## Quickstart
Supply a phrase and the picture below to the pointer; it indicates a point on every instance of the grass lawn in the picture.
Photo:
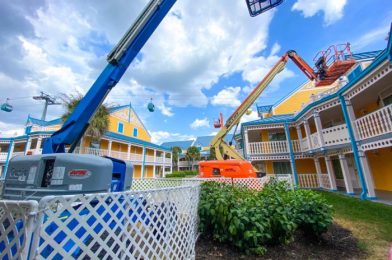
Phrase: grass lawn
(370, 222)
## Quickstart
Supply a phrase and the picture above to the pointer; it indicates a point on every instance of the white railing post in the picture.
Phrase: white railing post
(331, 173)
(319, 129)
(346, 174)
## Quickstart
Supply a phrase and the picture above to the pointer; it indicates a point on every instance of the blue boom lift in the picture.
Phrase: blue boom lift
(56, 172)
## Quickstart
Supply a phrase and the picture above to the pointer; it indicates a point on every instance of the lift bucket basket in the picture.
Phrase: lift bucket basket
(257, 7)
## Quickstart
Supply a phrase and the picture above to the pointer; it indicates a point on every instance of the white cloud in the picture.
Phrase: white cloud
(246, 118)
(333, 9)
(159, 137)
(11, 130)
(200, 123)
(370, 37)
(227, 97)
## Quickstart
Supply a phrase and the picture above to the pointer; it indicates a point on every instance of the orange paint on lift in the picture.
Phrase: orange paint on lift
(228, 168)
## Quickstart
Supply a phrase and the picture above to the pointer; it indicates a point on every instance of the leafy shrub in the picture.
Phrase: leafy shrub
(250, 219)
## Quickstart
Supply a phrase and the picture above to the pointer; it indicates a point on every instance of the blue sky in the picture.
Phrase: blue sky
(203, 59)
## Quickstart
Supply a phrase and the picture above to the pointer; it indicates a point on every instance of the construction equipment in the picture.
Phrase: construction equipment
(257, 7)
(56, 172)
(219, 167)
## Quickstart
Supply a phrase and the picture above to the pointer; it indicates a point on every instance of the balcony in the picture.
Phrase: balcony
(375, 124)
(273, 147)
(332, 136)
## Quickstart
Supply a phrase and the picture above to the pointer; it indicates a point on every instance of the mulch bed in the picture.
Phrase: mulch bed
(337, 243)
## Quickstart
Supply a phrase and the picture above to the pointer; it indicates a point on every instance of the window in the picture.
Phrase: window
(387, 101)
(337, 169)
(277, 136)
(282, 167)
(135, 132)
(120, 127)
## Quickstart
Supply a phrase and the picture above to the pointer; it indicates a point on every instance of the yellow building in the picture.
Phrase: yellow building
(127, 139)
(337, 137)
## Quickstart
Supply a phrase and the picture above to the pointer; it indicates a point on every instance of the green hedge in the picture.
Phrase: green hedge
(249, 219)
(182, 174)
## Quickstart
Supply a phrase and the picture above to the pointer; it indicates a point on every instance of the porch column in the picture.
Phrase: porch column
(367, 174)
(28, 145)
(9, 156)
(319, 128)
(38, 147)
(299, 133)
(331, 173)
(307, 131)
(155, 163)
(291, 154)
(351, 115)
(318, 171)
(246, 143)
(81, 146)
(346, 174)
(110, 148)
(129, 152)
(171, 162)
(144, 161)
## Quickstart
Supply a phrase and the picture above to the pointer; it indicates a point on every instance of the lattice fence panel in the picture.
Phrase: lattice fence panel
(16, 228)
(153, 224)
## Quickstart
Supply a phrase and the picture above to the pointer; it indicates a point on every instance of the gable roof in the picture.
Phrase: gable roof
(135, 140)
(35, 121)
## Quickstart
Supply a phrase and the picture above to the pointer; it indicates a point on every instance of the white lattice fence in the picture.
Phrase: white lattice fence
(16, 228)
(154, 224)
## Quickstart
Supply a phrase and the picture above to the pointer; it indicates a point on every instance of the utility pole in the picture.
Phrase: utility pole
(49, 100)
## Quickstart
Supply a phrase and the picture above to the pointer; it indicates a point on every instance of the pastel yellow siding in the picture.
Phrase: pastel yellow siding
(137, 171)
(148, 171)
(294, 102)
(381, 164)
(269, 167)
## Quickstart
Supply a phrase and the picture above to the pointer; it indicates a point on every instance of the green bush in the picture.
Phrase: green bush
(181, 174)
(250, 219)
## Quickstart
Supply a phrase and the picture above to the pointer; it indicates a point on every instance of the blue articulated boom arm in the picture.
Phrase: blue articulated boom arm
(119, 59)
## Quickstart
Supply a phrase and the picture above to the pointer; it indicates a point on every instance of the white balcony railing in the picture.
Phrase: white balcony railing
(336, 135)
(308, 180)
(3, 156)
(274, 147)
(305, 144)
(296, 146)
(374, 124)
(325, 181)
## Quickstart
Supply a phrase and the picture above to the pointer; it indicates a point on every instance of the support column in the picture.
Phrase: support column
(28, 145)
(144, 161)
(171, 162)
(319, 128)
(346, 175)
(110, 148)
(246, 143)
(291, 153)
(38, 147)
(81, 146)
(164, 164)
(367, 174)
(308, 134)
(9, 156)
(129, 152)
(319, 172)
(155, 164)
(299, 133)
(331, 173)
(349, 116)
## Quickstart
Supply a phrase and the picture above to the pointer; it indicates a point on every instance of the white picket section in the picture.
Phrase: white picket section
(273, 147)
(325, 181)
(16, 228)
(308, 181)
(157, 219)
(375, 124)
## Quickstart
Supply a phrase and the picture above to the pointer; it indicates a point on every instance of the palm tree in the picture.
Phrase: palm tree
(192, 154)
(175, 153)
(99, 124)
